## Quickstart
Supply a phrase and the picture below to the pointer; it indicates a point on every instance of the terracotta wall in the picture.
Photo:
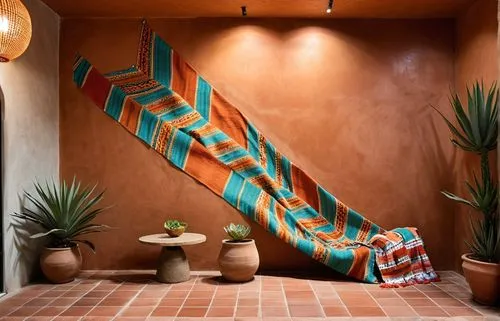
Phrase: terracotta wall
(476, 59)
(348, 100)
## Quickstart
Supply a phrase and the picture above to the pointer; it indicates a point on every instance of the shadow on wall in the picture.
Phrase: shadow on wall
(28, 250)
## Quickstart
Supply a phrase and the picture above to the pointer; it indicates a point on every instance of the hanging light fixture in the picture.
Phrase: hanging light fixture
(330, 6)
(15, 29)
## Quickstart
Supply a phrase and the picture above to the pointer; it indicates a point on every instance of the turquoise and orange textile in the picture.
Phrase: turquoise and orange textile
(166, 104)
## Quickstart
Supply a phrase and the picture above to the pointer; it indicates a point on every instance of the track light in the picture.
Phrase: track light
(244, 11)
(330, 6)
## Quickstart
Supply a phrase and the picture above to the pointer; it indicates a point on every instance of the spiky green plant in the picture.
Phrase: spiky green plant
(237, 232)
(174, 224)
(476, 131)
(64, 212)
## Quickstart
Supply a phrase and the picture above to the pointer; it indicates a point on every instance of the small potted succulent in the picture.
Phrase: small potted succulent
(65, 213)
(238, 257)
(175, 228)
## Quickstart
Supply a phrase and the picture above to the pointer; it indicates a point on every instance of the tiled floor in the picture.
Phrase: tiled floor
(135, 295)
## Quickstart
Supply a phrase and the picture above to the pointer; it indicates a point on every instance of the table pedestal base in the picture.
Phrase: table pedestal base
(173, 266)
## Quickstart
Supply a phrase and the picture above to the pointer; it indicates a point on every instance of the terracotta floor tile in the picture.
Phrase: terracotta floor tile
(106, 311)
(274, 312)
(387, 293)
(359, 302)
(430, 311)
(331, 302)
(439, 294)
(114, 302)
(448, 302)
(38, 318)
(336, 312)
(391, 302)
(399, 311)
(52, 294)
(248, 302)
(192, 312)
(299, 294)
(24, 311)
(247, 311)
(144, 302)
(171, 302)
(76, 311)
(63, 302)
(248, 294)
(461, 311)
(420, 302)
(87, 302)
(50, 311)
(96, 294)
(224, 302)
(73, 294)
(200, 294)
(97, 318)
(39, 302)
(197, 302)
(122, 294)
(155, 294)
(220, 312)
(176, 294)
(142, 311)
(366, 311)
(273, 302)
(313, 311)
(165, 312)
(411, 294)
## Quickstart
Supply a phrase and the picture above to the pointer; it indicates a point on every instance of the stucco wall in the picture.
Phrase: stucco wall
(30, 127)
(347, 100)
(476, 59)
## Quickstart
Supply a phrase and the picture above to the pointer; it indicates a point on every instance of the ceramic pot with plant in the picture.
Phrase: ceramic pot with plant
(65, 213)
(175, 228)
(238, 257)
(476, 131)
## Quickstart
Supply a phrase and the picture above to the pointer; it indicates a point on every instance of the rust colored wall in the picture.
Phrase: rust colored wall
(476, 59)
(346, 100)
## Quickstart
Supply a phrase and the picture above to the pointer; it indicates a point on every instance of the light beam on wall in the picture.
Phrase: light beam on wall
(15, 29)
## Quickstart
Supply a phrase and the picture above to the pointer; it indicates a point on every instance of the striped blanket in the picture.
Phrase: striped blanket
(164, 102)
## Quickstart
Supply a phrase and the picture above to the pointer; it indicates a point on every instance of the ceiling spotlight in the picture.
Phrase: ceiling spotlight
(330, 6)
(244, 11)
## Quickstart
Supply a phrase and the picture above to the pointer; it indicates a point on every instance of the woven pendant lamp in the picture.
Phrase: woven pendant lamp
(15, 29)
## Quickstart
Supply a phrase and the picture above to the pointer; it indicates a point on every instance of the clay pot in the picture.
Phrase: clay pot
(238, 261)
(61, 265)
(175, 232)
(483, 279)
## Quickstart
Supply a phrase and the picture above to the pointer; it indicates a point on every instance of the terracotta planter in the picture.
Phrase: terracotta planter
(61, 265)
(483, 279)
(238, 261)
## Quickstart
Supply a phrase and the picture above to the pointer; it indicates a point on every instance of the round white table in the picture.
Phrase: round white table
(173, 266)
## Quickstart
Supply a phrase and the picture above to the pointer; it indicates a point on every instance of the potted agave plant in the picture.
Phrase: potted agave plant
(476, 132)
(64, 213)
(238, 257)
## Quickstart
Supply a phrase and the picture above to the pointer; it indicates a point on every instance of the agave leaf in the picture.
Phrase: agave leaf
(41, 234)
(458, 199)
(88, 243)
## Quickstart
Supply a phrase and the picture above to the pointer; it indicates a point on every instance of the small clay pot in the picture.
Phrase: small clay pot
(61, 265)
(238, 261)
(483, 279)
(175, 232)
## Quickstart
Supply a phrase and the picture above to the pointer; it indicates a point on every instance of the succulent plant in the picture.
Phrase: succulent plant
(64, 212)
(476, 131)
(174, 224)
(237, 232)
